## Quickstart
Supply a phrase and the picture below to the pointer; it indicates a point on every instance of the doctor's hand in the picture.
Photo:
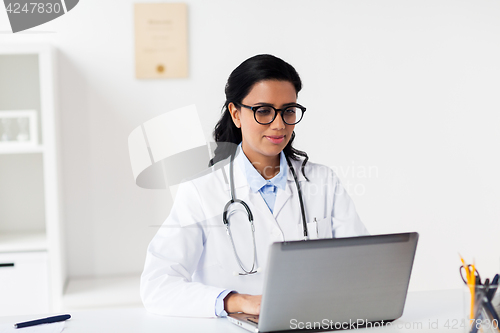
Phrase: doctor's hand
(245, 303)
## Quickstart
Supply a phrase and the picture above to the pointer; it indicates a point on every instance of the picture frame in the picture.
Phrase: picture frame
(18, 129)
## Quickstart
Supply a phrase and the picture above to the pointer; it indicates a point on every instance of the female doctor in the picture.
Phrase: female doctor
(209, 256)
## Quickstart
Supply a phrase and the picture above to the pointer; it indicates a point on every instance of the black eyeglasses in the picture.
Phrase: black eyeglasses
(265, 114)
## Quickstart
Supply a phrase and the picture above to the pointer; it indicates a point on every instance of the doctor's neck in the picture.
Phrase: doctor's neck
(267, 166)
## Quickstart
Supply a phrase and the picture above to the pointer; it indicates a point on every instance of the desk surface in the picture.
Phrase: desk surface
(427, 311)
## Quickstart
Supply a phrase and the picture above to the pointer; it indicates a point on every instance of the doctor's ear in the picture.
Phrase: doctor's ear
(235, 114)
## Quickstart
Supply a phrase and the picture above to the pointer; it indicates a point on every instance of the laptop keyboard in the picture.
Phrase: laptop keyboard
(254, 320)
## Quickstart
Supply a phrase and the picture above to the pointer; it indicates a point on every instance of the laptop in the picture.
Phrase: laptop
(330, 284)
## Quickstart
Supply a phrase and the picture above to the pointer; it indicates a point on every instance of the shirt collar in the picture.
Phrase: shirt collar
(255, 179)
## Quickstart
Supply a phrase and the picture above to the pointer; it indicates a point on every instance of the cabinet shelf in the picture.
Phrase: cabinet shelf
(23, 241)
(20, 150)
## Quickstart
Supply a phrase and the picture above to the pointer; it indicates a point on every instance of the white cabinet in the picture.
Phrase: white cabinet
(32, 273)
(24, 277)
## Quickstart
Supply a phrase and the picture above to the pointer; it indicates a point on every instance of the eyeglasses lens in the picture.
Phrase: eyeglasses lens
(265, 115)
(292, 115)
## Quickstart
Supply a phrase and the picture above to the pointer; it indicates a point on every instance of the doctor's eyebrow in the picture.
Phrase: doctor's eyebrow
(270, 104)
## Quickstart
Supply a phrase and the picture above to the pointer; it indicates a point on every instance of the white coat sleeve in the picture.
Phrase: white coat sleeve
(173, 256)
(346, 222)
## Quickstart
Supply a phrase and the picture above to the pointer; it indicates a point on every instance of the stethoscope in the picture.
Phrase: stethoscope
(250, 216)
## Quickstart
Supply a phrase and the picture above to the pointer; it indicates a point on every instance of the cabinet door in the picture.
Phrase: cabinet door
(23, 283)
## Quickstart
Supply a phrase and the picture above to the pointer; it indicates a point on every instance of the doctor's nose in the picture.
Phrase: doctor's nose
(278, 122)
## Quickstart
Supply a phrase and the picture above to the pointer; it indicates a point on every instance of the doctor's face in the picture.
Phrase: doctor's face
(260, 142)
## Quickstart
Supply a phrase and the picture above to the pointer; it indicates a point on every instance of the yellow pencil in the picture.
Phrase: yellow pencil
(472, 288)
(471, 284)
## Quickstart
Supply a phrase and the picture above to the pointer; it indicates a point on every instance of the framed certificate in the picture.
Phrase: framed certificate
(161, 40)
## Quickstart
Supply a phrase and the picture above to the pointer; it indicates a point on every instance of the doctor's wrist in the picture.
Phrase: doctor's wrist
(231, 302)
(245, 303)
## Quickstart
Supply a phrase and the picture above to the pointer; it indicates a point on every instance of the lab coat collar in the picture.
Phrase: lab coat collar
(240, 183)
(243, 190)
(240, 177)
(297, 166)
(255, 179)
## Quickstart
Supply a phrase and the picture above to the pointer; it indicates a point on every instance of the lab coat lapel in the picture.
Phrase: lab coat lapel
(244, 192)
(282, 197)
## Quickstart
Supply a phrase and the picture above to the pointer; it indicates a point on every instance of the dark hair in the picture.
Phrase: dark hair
(255, 69)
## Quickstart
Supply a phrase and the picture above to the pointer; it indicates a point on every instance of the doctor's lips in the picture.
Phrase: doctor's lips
(275, 138)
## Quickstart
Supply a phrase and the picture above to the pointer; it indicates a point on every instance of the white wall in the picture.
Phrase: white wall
(405, 91)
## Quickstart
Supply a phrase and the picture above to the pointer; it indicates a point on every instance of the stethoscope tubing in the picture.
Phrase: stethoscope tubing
(250, 216)
(304, 223)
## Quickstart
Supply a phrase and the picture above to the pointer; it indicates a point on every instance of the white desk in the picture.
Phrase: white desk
(421, 309)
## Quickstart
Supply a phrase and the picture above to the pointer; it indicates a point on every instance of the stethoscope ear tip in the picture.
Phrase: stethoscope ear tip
(235, 273)
(260, 270)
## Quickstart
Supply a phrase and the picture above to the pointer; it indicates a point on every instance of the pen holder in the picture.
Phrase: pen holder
(481, 305)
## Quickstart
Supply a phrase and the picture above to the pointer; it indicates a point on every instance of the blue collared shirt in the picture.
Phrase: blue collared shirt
(268, 190)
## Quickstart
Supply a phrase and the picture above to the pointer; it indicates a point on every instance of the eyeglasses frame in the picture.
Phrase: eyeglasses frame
(254, 109)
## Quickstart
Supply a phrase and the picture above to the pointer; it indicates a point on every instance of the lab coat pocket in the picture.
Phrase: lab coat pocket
(320, 228)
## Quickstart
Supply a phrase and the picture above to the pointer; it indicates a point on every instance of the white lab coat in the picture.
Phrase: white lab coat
(190, 261)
